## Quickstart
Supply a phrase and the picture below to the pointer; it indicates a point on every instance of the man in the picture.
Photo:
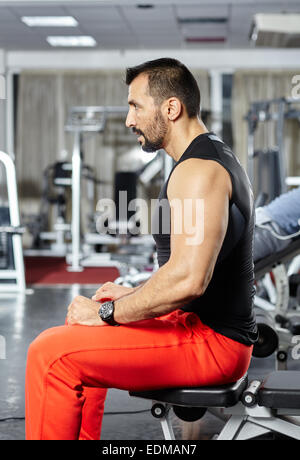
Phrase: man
(191, 323)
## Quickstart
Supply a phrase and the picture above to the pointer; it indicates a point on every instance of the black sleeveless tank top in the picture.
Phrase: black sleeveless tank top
(227, 304)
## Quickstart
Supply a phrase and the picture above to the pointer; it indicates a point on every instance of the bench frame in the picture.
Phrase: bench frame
(244, 423)
(252, 409)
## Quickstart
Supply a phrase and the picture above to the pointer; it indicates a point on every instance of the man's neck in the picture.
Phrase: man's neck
(181, 137)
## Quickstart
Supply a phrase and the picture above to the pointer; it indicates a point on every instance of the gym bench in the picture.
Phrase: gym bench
(254, 409)
(284, 256)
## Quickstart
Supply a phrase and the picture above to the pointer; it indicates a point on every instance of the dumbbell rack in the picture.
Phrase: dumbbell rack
(17, 273)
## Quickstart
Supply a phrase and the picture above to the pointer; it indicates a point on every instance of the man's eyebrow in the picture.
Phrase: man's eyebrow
(132, 102)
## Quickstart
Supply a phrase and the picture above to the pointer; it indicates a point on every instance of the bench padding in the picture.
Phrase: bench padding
(213, 396)
(280, 390)
(263, 266)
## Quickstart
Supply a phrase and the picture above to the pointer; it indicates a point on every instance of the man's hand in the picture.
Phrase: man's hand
(112, 291)
(84, 311)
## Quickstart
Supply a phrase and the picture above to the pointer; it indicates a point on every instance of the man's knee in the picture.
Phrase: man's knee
(42, 348)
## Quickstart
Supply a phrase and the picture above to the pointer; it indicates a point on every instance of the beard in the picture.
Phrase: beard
(154, 133)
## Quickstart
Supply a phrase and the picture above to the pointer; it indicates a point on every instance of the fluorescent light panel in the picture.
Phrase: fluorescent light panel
(205, 39)
(49, 21)
(69, 41)
(216, 20)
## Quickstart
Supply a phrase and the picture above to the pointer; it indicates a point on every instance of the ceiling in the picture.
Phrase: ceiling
(122, 24)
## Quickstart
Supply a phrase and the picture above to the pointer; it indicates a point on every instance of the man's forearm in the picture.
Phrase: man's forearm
(164, 292)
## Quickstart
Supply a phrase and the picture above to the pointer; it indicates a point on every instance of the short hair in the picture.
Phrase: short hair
(168, 77)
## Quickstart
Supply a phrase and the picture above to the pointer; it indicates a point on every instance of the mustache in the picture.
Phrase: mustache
(137, 131)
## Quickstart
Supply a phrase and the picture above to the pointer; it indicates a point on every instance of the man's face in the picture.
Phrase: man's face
(144, 117)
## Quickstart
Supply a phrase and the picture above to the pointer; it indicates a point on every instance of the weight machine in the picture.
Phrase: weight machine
(277, 317)
(273, 159)
(90, 120)
(12, 272)
(53, 238)
(82, 120)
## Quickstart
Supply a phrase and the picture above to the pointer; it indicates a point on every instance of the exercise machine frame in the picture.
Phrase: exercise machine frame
(15, 229)
(263, 111)
(93, 123)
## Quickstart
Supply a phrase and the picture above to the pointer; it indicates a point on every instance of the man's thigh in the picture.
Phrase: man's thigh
(265, 243)
(146, 354)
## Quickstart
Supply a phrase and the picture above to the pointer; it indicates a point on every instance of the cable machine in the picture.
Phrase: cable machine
(277, 110)
(12, 274)
(83, 120)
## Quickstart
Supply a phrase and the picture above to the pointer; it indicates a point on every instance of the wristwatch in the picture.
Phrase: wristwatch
(106, 313)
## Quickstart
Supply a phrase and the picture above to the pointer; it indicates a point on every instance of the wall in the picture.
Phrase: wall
(217, 61)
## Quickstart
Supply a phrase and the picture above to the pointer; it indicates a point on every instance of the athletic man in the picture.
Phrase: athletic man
(191, 323)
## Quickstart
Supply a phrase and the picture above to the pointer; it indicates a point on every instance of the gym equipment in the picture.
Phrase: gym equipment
(271, 162)
(56, 191)
(125, 181)
(277, 314)
(56, 179)
(83, 120)
(134, 277)
(86, 119)
(268, 180)
(256, 408)
(12, 263)
(268, 340)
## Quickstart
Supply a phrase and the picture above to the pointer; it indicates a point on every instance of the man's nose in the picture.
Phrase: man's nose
(130, 121)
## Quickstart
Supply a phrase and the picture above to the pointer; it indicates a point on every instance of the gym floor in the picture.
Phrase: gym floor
(24, 317)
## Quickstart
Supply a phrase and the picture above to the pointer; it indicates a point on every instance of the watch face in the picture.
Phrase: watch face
(106, 310)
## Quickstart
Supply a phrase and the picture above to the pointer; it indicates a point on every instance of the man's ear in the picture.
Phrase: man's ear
(173, 108)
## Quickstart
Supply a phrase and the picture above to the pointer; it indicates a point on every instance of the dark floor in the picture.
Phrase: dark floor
(23, 318)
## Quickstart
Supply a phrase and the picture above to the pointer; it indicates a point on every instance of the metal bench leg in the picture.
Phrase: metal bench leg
(162, 412)
(231, 428)
(279, 426)
(250, 431)
(167, 427)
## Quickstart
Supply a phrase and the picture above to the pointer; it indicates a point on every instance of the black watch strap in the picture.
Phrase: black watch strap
(106, 313)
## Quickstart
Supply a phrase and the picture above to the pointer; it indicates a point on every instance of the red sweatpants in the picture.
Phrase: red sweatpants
(70, 368)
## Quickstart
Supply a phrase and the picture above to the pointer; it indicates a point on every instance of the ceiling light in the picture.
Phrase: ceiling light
(82, 40)
(49, 21)
(205, 39)
(145, 6)
(196, 20)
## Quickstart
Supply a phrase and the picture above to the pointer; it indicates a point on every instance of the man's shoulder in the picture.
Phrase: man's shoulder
(197, 166)
(198, 172)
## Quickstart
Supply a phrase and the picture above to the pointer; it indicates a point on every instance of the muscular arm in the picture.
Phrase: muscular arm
(194, 185)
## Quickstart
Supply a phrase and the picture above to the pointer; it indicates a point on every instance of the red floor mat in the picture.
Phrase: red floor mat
(53, 270)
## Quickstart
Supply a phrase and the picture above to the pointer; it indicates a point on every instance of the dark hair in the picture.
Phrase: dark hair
(169, 77)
